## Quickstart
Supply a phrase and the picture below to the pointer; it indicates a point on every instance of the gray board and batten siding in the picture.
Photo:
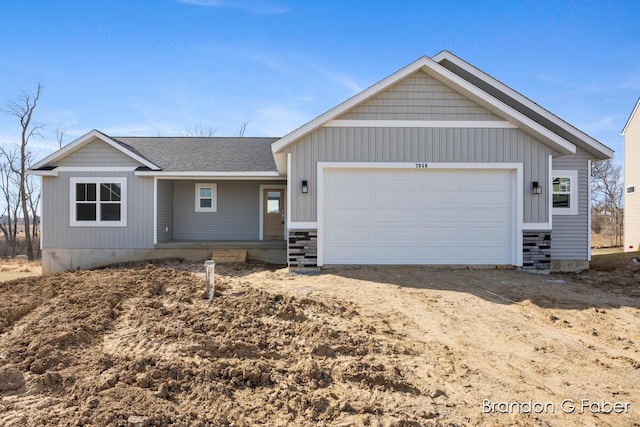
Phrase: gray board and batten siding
(165, 211)
(97, 153)
(570, 236)
(419, 97)
(57, 232)
(237, 216)
(425, 145)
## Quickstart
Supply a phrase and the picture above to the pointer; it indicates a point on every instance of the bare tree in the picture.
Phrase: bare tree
(607, 198)
(241, 129)
(23, 111)
(198, 130)
(60, 131)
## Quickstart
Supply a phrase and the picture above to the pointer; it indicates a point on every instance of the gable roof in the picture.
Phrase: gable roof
(88, 137)
(195, 155)
(523, 104)
(633, 113)
(563, 142)
(205, 154)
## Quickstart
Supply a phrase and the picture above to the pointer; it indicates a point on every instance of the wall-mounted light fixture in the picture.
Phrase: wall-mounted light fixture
(305, 186)
(536, 188)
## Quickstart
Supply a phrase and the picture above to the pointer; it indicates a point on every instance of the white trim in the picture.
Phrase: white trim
(214, 196)
(536, 226)
(550, 193)
(98, 180)
(52, 172)
(288, 194)
(41, 207)
(261, 205)
(518, 168)
(95, 169)
(98, 169)
(414, 165)
(421, 124)
(589, 208)
(84, 140)
(155, 211)
(301, 225)
(452, 80)
(211, 175)
(573, 192)
(604, 151)
(519, 213)
(624, 130)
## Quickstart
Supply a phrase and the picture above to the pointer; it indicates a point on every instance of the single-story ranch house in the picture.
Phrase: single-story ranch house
(439, 163)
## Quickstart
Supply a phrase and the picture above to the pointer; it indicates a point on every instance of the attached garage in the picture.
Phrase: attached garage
(416, 215)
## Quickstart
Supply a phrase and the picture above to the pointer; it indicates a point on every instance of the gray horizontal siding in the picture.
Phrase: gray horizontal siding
(632, 177)
(419, 97)
(165, 211)
(237, 216)
(418, 145)
(57, 233)
(97, 154)
(570, 236)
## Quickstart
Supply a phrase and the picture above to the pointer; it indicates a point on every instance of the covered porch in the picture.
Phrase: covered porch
(195, 218)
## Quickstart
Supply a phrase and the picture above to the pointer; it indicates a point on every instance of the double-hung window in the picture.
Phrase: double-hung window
(564, 192)
(98, 202)
(206, 197)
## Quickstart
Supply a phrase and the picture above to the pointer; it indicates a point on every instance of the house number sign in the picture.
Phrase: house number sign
(422, 165)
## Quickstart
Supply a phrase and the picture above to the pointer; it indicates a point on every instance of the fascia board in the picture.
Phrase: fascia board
(521, 120)
(447, 77)
(603, 150)
(35, 172)
(211, 175)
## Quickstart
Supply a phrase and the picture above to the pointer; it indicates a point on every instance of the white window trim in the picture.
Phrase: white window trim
(73, 222)
(573, 194)
(214, 197)
(630, 189)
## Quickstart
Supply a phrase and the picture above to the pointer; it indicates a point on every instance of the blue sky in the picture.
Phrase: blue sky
(157, 67)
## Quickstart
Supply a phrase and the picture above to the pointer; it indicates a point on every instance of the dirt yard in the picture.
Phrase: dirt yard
(399, 346)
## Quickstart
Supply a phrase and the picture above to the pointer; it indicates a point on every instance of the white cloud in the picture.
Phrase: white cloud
(259, 7)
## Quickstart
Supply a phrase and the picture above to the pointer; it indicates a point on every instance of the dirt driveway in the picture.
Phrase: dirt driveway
(347, 346)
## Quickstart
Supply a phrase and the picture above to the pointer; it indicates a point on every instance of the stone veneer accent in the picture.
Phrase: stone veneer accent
(302, 248)
(536, 250)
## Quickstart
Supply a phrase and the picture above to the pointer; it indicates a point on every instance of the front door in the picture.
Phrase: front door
(273, 214)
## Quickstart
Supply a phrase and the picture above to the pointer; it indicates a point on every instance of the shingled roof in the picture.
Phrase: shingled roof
(204, 154)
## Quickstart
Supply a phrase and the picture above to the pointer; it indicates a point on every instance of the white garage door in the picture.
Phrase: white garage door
(418, 216)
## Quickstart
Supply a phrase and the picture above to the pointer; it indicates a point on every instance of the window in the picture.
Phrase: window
(564, 192)
(273, 202)
(206, 197)
(98, 202)
(631, 189)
